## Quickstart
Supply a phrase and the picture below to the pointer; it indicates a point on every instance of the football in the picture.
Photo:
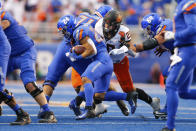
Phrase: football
(78, 49)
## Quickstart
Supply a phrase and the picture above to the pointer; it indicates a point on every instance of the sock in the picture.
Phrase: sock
(16, 108)
(172, 104)
(80, 98)
(115, 96)
(45, 107)
(89, 92)
(142, 95)
(47, 98)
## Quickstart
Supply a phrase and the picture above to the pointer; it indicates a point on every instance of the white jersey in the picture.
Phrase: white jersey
(114, 42)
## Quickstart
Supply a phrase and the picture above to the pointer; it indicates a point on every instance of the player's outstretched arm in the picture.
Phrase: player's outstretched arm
(149, 43)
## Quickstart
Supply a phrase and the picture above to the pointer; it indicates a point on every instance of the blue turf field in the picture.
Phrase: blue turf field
(142, 120)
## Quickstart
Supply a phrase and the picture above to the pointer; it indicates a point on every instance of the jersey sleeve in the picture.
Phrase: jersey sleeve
(189, 7)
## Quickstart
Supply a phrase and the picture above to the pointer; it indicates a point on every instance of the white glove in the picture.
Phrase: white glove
(175, 58)
(70, 57)
(169, 35)
(122, 50)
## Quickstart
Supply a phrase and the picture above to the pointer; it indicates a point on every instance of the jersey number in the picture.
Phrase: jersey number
(83, 18)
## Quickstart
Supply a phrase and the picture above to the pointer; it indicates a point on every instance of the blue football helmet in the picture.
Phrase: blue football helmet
(150, 23)
(66, 25)
(103, 10)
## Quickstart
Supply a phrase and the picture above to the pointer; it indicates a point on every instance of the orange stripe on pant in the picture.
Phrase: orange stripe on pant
(123, 75)
(75, 78)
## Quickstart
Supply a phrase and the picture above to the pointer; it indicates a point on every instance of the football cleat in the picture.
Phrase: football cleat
(133, 100)
(88, 113)
(74, 107)
(47, 117)
(123, 107)
(23, 118)
(159, 114)
(155, 104)
(100, 109)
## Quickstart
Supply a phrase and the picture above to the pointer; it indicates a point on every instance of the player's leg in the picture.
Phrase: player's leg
(27, 63)
(123, 107)
(22, 116)
(101, 76)
(5, 96)
(55, 71)
(185, 92)
(96, 70)
(178, 75)
(124, 78)
(102, 93)
(162, 113)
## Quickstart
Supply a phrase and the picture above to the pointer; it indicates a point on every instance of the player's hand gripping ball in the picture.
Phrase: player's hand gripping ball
(78, 49)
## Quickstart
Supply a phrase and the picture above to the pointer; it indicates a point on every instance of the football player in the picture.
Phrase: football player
(23, 57)
(118, 40)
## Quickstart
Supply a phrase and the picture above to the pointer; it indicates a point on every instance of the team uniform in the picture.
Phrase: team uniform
(23, 57)
(5, 51)
(56, 69)
(166, 25)
(121, 61)
(183, 60)
(6, 96)
(101, 67)
(96, 68)
(23, 53)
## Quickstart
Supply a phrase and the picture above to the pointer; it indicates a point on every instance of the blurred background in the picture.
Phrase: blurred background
(40, 18)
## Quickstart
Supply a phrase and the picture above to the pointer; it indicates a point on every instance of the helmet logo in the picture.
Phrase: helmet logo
(149, 19)
(65, 21)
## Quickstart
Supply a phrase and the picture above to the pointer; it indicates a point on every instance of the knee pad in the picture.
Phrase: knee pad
(5, 96)
(50, 83)
(36, 91)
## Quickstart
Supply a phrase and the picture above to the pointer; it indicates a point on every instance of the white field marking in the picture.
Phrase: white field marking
(107, 123)
(66, 103)
(131, 117)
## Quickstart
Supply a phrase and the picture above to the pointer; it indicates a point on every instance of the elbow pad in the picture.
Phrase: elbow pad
(150, 44)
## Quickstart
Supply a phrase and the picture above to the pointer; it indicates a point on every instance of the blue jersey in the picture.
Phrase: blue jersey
(84, 18)
(185, 28)
(169, 27)
(5, 50)
(87, 31)
(16, 34)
